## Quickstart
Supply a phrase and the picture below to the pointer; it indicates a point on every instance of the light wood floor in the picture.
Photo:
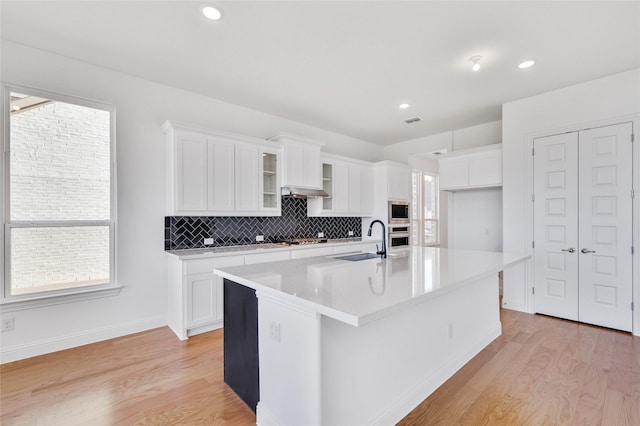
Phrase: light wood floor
(540, 371)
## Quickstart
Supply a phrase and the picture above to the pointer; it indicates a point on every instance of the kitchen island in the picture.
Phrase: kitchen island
(344, 342)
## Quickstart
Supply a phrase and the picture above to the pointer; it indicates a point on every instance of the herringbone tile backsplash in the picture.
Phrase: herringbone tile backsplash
(183, 232)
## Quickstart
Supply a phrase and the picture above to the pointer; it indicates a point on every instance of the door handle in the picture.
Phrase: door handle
(585, 251)
(570, 250)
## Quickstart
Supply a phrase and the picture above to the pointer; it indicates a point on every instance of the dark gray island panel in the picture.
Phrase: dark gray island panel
(241, 370)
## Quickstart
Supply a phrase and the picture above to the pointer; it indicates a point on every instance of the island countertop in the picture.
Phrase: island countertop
(359, 292)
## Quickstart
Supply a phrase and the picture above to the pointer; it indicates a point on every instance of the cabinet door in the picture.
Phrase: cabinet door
(485, 168)
(398, 183)
(293, 165)
(248, 179)
(270, 180)
(340, 188)
(221, 175)
(454, 172)
(367, 191)
(191, 172)
(202, 299)
(355, 189)
(312, 163)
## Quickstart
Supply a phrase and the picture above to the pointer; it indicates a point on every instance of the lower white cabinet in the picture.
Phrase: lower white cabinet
(204, 304)
(195, 294)
(196, 299)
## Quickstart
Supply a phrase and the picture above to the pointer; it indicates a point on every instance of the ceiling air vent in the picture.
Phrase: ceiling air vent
(413, 120)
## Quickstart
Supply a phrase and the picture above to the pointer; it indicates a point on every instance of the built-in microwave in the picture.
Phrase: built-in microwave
(398, 212)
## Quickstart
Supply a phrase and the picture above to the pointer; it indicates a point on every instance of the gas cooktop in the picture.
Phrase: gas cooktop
(302, 241)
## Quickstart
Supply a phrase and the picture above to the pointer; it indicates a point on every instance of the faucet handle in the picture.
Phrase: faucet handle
(377, 249)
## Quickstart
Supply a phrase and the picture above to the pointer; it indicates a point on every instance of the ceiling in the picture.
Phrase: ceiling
(345, 66)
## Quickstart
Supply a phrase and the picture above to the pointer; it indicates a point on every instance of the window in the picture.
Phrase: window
(425, 208)
(430, 209)
(58, 194)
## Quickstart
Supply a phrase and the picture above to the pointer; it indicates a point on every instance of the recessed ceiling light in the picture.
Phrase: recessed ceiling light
(211, 12)
(404, 106)
(526, 64)
(476, 62)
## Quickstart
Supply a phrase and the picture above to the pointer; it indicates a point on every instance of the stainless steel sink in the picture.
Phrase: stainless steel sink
(358, 256)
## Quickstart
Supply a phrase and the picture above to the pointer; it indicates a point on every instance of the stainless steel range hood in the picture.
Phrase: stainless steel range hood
(299, 192)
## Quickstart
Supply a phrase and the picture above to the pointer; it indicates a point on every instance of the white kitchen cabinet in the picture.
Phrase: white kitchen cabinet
(392, 182)
(212, 173)
(221, 181)
(349, 183)
(191, 172)
(195, 294)
(396, 179)
(473, 168)
(274, 256)
(270, 181)
(301, 161)
(360, 186)
(340, 193)
(247, 173)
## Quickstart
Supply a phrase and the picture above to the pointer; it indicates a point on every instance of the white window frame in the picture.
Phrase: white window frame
(423, 208)
(10, 302)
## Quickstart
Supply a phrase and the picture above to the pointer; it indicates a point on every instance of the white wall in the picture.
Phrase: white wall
(476, 219)
(141, 107)
(603, 101)
(403, 150)
(475, 136)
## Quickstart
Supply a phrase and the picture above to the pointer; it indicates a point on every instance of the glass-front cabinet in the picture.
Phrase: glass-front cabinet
(270, 180)
(327, 186)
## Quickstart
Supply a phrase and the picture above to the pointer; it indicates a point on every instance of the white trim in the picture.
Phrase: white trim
(45, 346)
(471, 150)
(39, 300)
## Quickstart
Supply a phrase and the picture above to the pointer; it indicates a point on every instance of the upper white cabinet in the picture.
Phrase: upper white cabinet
(302, 162)
(394, 181)
(473, 168)
(349, 183)
(215, 173)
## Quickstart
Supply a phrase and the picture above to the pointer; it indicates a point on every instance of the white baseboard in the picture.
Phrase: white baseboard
(45, 346)
(265, 417)
(413, 397)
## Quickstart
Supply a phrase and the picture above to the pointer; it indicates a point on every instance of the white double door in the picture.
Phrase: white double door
(583, 226)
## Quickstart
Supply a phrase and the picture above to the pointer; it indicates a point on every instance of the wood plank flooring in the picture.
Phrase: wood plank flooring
(541, 371)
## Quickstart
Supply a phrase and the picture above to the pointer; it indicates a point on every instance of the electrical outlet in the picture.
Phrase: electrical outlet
(259, 238)
(208, 241)
(320, 234)
(350, 233)
(7, 324)
(274, 331)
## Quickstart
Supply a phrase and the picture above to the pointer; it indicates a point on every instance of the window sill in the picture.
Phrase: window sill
(38, 301)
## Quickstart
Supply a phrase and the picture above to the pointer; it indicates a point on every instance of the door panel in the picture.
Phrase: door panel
(605, 271)
(555, 225)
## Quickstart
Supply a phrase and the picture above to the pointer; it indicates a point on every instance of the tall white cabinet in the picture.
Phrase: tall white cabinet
(213, 173)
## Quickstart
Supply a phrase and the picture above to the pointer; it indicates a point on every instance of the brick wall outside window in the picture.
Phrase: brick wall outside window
(59, 170)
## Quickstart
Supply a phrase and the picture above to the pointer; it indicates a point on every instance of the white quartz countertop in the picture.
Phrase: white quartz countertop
(260, 248)
(360, 292)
